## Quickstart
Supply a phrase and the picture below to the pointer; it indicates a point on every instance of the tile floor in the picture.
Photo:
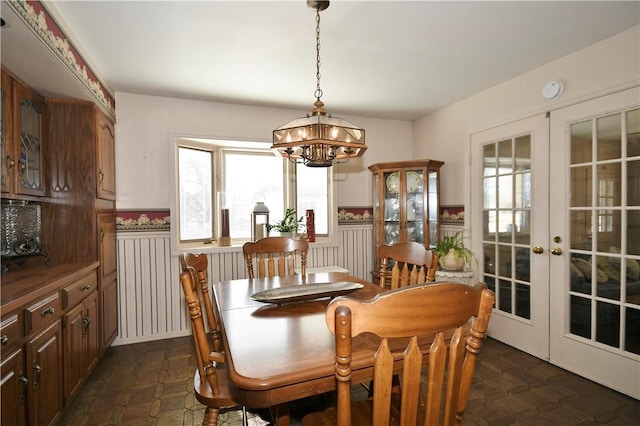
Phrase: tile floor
(151, 384)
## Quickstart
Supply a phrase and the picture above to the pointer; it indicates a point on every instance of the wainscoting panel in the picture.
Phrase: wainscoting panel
(150, 297)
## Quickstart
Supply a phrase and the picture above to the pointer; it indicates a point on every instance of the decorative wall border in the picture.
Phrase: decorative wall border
(355, 215)
(156, 220)
(40, 21)
(143, 220)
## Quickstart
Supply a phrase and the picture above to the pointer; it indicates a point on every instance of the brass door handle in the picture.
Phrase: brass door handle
(556, 251)
(538, 250)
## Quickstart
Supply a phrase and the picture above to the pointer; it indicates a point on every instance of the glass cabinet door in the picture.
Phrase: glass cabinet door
(414, 209)
(391, 214)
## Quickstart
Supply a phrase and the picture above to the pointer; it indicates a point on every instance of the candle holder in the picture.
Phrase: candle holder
(224, 237)
(259, 221)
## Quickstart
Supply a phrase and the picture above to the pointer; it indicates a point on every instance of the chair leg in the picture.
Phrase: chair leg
(245, 419)
(210, 417)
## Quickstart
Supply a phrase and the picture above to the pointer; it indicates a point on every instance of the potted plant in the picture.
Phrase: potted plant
(453, 254)
(288, 225)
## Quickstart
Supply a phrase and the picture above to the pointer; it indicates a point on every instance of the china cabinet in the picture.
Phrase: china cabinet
(406, 202)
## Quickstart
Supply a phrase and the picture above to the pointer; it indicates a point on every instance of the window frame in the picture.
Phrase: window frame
(218, 147)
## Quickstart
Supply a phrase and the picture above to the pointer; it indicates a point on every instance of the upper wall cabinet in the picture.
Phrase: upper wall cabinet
(105, 140)
(22, 139)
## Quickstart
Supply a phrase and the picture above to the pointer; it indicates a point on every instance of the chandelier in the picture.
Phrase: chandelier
(319, 139)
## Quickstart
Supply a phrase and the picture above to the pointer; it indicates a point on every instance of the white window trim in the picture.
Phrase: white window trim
(178, 247)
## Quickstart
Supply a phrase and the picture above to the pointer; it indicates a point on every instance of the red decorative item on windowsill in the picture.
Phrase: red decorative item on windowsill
(311, 227)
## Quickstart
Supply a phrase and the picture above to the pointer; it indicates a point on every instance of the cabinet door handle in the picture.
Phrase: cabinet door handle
(37, 369)
(4, 339)
(85, 324)
(48, 311)
(9, 162)
(22, 378)
(85, 287)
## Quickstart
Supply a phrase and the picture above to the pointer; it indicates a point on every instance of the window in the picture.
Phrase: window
(213, 174)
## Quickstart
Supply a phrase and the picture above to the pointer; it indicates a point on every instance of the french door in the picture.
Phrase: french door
(556, 220)
(595, 300)
(510, 229)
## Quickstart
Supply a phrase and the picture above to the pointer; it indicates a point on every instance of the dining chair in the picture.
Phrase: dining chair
(200, 263)
(211, 382)
(275, 256)
(438, 326)
(411, 263)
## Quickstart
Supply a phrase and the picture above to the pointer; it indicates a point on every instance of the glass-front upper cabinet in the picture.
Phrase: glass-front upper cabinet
(21, 136)
(406, 202)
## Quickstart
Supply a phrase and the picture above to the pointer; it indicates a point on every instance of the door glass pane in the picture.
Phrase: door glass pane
(633, 183)
(632, 335)
(633, 133)
(633, 232)
(581, 271)
(580, 229)
(522, 157)
(609, 130)
(581, 186)
(608, 277)
(489, 160)
(580, 316)
(608, 323)
(581, 140)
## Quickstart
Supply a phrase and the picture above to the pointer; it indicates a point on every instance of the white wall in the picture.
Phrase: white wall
(145, 125)
(601, 68)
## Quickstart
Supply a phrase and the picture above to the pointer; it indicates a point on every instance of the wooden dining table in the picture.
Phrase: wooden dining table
(277, 353)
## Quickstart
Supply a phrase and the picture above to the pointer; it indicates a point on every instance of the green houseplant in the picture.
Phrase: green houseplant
(289, 224)
(452, 252)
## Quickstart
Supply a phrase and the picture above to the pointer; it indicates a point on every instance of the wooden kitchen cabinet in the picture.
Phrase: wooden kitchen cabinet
(406, 204)
(81, 344)
(22, 140)
(50, 340)
(106, 157)
(108, 278)
(44, 372)
(14, 389)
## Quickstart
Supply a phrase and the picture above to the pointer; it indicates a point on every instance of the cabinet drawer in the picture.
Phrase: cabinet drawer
(11, 332)
(41, 313)
(76, 292)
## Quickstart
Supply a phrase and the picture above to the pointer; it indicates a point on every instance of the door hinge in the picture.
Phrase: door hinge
(64, 322)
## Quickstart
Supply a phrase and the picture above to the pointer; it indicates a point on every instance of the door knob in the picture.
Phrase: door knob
(556, 251)
(537, 250)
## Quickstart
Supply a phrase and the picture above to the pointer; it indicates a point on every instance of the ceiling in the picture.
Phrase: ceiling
(382, 59)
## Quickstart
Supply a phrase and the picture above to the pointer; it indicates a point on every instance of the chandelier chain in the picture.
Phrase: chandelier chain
(318, 92)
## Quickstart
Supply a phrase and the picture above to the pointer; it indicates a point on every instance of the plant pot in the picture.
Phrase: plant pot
(286, 234)
(451, 263)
